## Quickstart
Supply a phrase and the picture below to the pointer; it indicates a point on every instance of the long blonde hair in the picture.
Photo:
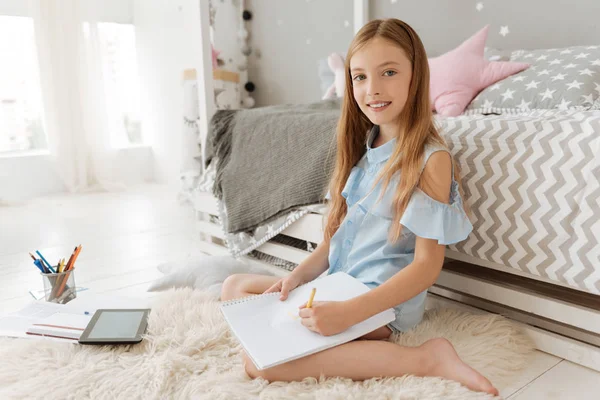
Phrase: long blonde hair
(416, 130)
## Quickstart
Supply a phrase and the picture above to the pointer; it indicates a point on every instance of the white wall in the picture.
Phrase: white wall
(292, 37)
(535, 24)
(166, 34)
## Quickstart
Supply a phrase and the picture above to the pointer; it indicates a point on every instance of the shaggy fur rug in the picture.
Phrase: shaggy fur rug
(189, 353)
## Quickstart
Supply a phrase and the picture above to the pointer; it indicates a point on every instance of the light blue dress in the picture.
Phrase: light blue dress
(360, 246)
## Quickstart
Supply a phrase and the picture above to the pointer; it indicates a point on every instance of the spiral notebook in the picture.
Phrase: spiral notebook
(270, 329)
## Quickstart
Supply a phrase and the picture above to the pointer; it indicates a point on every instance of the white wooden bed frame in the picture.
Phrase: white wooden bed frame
(557, 322)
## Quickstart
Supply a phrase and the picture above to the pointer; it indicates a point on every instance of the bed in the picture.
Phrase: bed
(532, 182)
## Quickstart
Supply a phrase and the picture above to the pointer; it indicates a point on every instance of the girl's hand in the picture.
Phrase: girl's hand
(326, 317)
(285, 286)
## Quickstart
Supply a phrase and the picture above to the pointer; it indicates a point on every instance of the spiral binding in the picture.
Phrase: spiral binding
(246, 299)
(254, 296)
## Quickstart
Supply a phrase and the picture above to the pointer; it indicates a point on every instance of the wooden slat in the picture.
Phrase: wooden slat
(224, 75)
(555, 309)
(518, 315)
(210, 228)
(212, 248)
(283, 251)
(205, 202)
(361, 14)
(526, 284)
(308, 227)
(218, 74)
(189, 74)
(199, 12)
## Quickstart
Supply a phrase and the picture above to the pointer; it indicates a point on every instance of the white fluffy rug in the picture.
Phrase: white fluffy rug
(190, 353)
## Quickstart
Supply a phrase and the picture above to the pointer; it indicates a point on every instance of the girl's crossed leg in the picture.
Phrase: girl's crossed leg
(361, 359)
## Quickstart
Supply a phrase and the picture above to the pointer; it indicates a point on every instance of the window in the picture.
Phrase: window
(121, 82)
(21, 107)
(21, 113)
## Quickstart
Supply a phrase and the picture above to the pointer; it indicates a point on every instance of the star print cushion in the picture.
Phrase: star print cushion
(563, 79)
(457, 76)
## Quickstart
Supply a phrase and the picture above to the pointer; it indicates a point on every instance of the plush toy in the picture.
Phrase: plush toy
(336, 64)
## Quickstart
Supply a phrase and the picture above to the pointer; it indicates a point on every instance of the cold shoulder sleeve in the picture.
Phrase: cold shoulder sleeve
(433, 219)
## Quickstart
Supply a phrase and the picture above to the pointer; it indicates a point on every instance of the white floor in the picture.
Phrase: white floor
(125, 235)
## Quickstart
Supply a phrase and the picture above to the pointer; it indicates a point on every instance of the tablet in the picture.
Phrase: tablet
(116, 326)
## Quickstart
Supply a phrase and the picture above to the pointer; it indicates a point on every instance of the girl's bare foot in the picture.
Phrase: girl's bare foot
(447, 364)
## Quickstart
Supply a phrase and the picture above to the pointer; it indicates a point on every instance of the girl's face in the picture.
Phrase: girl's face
(381, 75)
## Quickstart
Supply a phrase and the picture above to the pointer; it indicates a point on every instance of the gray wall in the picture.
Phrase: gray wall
(291, 36)
(287, 70)
(443, 24)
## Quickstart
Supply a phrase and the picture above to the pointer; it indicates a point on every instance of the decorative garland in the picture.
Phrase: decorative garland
(243, 36)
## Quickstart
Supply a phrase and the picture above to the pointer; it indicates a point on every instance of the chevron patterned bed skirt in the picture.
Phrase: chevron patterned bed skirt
(533, 185)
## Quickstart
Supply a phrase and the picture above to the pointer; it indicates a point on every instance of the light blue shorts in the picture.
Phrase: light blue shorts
(405, 321)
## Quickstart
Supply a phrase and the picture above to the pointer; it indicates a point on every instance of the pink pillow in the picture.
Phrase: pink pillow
(460, 74)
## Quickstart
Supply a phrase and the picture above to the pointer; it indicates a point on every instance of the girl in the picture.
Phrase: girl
(393, 209)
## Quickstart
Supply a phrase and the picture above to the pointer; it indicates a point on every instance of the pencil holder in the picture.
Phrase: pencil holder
(60, 287)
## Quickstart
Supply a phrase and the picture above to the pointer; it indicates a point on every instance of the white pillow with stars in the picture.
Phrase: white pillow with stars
(561, 79)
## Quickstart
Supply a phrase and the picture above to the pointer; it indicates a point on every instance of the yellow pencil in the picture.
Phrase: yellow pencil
(312, 296)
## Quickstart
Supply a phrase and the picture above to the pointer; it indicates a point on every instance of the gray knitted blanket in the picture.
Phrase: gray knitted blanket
(271, 159)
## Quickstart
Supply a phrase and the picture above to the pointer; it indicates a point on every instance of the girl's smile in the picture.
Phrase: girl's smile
(378, 106)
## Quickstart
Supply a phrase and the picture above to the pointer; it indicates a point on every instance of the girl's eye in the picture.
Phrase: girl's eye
(359, 77)
(389, 73)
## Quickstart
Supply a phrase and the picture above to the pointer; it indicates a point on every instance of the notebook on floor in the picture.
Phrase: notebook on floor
(270, 329)
(60, 326)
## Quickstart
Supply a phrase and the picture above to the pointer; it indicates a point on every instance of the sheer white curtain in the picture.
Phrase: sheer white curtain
(78, 115)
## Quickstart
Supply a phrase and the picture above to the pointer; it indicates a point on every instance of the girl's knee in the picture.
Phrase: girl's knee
(231, 286)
